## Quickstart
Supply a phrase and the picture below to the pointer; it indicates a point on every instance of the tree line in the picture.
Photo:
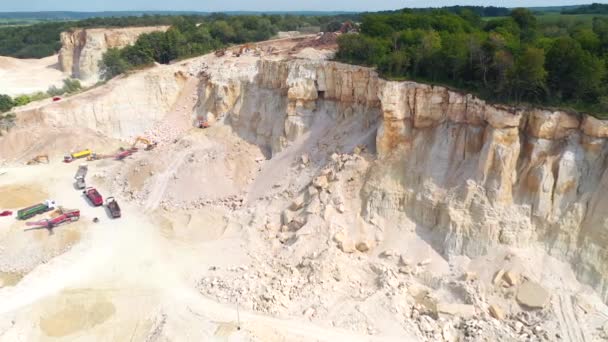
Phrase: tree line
(189, 36)
(594, 8)
(512, 59)
(43, 39)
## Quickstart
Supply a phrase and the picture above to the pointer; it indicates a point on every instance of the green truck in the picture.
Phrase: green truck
(34, 210)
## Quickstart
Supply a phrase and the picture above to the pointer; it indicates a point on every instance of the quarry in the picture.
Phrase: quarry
(321, 203)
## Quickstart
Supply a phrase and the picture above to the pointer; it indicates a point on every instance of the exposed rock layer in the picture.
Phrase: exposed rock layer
(82, 49)
(475, 174)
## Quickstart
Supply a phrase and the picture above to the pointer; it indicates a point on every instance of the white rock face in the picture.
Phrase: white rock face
(123, 108)
(82, 49)
(477, 175)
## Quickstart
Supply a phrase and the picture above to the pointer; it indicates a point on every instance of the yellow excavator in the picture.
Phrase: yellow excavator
(39, 159)
(149, 145)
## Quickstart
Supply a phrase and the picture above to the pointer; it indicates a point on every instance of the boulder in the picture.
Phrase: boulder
(497, 312)
(498, 277)
(363, 246)
(459, 310)
(321, 182)
(532, 295)
(511, 278)
(297, 203)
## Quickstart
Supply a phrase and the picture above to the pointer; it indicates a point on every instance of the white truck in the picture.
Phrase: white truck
(80, 176)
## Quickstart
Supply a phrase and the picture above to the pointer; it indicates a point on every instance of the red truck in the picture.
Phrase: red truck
(93, 196)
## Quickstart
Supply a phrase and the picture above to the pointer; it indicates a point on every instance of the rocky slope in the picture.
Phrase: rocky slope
(82, 49)
(476, 175)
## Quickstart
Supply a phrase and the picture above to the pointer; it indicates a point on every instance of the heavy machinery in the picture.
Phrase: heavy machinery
(149, 145)
(80, 176)
(94, 196)
(36, 209)
(202, 124)
(126, 153)
(39, 159)
(65, 216)
(113, 207)
(77, 155)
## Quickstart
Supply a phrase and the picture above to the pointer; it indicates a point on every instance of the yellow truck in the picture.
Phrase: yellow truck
(77, 155)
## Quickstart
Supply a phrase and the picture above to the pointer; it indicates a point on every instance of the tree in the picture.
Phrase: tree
(223, 31)
(113, 64)
(6, 103)
(333, 26)
(574, 74)
(396, 64)
(22, 100)
(526, 21)
(528, 75)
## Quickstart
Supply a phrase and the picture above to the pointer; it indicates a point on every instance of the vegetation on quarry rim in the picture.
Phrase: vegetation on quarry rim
(513, 59)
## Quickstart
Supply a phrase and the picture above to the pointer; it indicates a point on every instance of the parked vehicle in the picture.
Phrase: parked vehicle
(36, 209)
(113, 207)
(76, 155)
(93, 196)
(80, 176)
(6, 213)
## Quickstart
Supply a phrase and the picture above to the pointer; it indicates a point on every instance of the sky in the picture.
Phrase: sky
(259, 5)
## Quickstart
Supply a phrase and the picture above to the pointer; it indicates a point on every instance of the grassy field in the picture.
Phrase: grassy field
(567, 19)
(4, 22)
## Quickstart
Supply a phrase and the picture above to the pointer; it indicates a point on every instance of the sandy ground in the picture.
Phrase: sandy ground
(26, 76)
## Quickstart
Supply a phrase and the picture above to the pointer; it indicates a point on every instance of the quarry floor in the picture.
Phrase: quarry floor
(119, 279)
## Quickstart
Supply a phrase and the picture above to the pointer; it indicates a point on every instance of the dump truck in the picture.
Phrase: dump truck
(77, 155)
(36, 209)
(93, 196)
(113, 207)
(80, 176)
(66, 216)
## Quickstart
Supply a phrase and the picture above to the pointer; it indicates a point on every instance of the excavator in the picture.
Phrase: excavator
(40, 159)
(149, 145)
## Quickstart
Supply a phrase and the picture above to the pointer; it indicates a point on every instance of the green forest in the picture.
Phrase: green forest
(189, 37)
(43, 39)
(511, 59)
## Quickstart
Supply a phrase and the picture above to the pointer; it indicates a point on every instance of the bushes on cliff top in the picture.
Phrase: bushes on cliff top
(187, 38)
(512, 59)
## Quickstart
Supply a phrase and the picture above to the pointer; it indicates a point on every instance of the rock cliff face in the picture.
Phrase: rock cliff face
(122, 108)
(82, 49)
(473, 174)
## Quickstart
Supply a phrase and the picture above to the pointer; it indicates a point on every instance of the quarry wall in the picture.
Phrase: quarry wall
(82, 49)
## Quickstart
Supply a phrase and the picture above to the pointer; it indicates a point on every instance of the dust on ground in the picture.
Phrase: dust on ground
(19, 196)
(26, 76)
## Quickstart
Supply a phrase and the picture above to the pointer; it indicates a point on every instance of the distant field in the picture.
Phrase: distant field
(19, 22)
(556, 18)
